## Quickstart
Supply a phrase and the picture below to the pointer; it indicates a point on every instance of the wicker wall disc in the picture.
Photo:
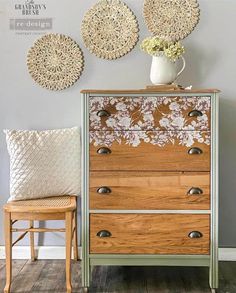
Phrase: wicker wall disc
(171, 19)
(110, 29)
(55, 61)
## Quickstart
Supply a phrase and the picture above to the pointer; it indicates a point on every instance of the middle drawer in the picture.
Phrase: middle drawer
(149, 190)
(149, 151)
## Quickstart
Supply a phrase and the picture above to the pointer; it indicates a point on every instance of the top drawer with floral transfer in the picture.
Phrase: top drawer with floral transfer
(150, 113)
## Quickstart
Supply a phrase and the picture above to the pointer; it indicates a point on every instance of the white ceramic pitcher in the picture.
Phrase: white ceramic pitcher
(164, 71)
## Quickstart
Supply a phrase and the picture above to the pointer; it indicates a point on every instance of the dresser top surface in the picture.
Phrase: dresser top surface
(150, 91)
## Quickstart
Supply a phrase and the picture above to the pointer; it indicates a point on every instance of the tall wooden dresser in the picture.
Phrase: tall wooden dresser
(150, 179)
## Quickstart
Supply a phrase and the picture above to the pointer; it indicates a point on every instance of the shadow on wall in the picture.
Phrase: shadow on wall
(227, 176)
(199, 64)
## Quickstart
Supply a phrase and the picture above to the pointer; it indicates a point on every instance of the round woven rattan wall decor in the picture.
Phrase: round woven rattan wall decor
(171, 19)
(110, 29)
(55, 61)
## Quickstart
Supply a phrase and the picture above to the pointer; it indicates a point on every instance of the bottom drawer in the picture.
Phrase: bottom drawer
(150, 233)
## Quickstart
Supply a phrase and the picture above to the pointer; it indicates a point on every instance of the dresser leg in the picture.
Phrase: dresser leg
(213, 276)
(86, 273)
(91, 270)
(85, 281)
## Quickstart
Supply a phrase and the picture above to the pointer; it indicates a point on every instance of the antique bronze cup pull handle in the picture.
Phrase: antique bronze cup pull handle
(195, 151)
(195, 234)
(195, 113)
(103, 190)
(103, 113)
(195, 191)
(104, 233)
(103, 151)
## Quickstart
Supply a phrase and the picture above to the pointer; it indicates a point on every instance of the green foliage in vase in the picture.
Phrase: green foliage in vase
(156, 46)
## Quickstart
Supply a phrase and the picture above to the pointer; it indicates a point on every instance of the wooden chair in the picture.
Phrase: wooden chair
(53, 208)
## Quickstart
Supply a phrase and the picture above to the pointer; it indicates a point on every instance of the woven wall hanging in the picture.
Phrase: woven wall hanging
(110, 29)
(171, 19)
(55, 61)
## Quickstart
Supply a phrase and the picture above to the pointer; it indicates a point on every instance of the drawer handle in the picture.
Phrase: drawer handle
(104, 233)
(195, 190)
(103, 113)
(103, 151)
(195, 234)
(195, 113)
(104, 190)
(195, 151)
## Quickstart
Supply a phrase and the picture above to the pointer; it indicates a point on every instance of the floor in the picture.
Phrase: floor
(48, 276)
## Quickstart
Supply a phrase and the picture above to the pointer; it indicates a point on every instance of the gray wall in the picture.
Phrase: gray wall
(210, 63)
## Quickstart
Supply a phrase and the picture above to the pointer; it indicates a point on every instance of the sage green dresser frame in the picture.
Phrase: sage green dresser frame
(90, 260)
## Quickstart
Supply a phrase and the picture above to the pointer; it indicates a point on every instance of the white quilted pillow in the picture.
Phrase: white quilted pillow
(43, 163)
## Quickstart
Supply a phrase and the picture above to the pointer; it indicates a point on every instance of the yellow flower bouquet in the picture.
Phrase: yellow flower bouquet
(156, 46)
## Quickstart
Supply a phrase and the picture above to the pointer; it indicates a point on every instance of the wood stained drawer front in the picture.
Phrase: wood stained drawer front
(140, 150)
(149, 233)
(149, 191)
(150, 113)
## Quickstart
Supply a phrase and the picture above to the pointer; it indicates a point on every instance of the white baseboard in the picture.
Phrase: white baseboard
(58, 252)
(42, 252)
(227, 254)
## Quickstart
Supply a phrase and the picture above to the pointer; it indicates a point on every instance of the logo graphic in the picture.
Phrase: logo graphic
(28, 20)
(30, 8)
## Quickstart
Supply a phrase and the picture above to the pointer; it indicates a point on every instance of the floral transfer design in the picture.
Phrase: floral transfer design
(153, 120)
(149, 113)
(158, 138)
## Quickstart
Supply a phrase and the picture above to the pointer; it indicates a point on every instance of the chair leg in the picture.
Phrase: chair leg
(75, 237)
(8, 248)
(32, 251)
(69, 217)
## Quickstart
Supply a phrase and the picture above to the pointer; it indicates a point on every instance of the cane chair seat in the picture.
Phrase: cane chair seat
(50, 204)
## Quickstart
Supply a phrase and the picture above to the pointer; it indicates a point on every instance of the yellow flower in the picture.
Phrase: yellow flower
(155, 46)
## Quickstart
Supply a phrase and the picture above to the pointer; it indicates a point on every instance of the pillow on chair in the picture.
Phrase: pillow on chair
(43, 163)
